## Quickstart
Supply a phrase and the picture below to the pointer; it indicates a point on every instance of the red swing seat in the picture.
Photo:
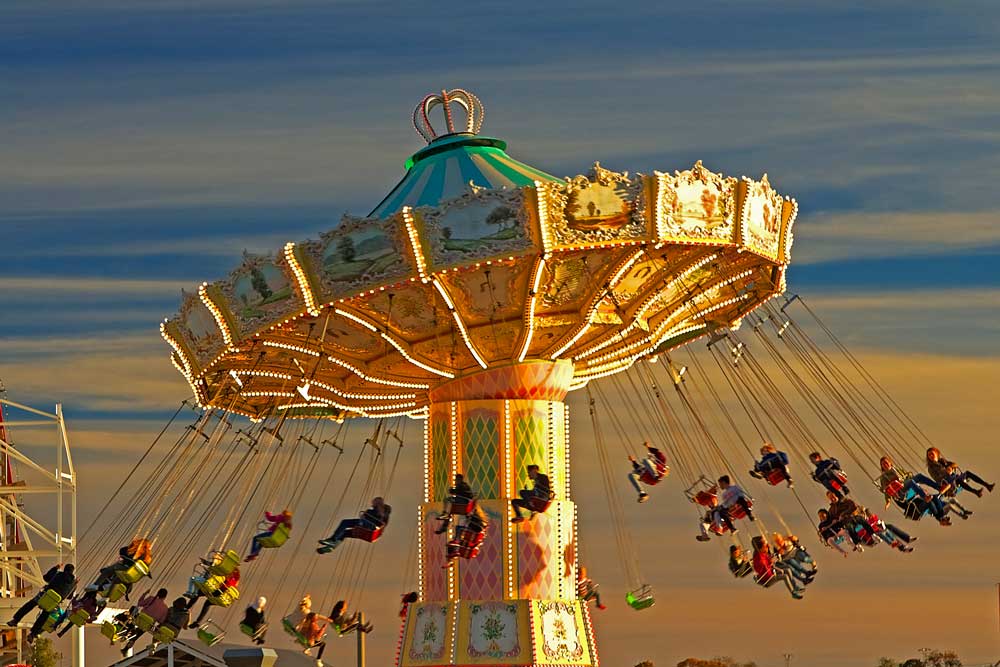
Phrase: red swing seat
(737, 511)
(705, 498)
(838, 481)
(461, 506)
(466, 544)
(365, 534)
(538, 504)
(649, 479)
(776, 476)
(894, 488)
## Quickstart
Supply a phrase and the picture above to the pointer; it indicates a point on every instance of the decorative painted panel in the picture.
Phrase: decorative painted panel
(696, 206)
(494, 633)
(476, 226)
(481, 578)
(762, 216)
(434, 549)
(259, 293)
(440, 455)
(428, 634)
(481, 447)
(560, 633)
(199, 332)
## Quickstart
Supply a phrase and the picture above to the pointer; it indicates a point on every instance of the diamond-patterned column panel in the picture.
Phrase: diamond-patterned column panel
(481, 450)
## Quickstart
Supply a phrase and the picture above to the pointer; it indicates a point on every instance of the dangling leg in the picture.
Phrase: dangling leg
(23, 611)
(633, 477)
(202, 614)
(968, 474)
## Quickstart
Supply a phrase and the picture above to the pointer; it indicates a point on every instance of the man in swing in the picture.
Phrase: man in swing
(772, 460)
(467, 537)
(733, 496)
(829, 473)
(373, 518)
(541, 492)
(458, 495)
(650, 470)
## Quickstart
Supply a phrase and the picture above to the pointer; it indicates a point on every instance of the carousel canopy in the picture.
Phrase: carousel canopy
(476, 261)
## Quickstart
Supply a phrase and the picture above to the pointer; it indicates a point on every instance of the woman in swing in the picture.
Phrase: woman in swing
(372, 519)
(312, 628)
(274, 521)
(772, 460)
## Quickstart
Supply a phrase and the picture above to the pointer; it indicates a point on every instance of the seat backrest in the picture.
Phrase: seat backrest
(228, 562)
(776, 476)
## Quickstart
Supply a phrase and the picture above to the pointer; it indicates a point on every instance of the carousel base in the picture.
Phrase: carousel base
(497, 632)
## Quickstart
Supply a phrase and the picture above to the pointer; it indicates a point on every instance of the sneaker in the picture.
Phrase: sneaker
(367, 627)
(643, 497)
(319, 663)
(906, 550)
(967, 514)
(989, 487)
(251, 558)
(791, 484)
(798, 595)
(602, 607)
(913, 539)
(517, 519)
(194, 626)
(12, 623)
(978, 492)
(758, 475)
(751, 517)
(945, 521)
(702, 538)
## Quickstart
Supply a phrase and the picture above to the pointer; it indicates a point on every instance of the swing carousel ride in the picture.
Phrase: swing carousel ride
(473, 299)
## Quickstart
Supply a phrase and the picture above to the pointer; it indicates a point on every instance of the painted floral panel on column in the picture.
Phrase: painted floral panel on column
(481, 445)
(560, 635)
(493, 631)
(428, 629)
(481, 578)
(440, 459)
(435, 577)
(535, 556)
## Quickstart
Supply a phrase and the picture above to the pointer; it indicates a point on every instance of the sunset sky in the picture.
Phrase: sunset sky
(147, 143)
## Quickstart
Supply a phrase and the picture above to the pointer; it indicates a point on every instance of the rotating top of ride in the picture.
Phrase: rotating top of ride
(477, 261)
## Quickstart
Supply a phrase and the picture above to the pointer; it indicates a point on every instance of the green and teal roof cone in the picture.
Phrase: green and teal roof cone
(453, 161)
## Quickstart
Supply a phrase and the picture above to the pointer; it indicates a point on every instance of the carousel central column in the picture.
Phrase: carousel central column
(515, 603)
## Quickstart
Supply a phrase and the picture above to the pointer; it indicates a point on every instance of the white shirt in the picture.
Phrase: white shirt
(730, 495)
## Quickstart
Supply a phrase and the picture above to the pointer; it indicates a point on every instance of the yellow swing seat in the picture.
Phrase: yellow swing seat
(165, 634)
(134, 572)
(228, 561)
(115, 592)
(277, 537)
(144, 621)
(112, 630)
(210, 588)
(79, 617)
(49, 600)
(210, 634)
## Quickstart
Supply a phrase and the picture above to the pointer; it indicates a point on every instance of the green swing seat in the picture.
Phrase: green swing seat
(134, 572)
(228, 561)
(211, 588)
(49, 600)
(250, 632)
(641, 598)
(112, 630)
(79, 617)
(115, 592)
(165, 634)
(290, 628)
(276, 538)
(210, 633)
(144, 622)
(52, 620)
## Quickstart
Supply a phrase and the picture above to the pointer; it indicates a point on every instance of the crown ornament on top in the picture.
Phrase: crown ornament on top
(446, 98)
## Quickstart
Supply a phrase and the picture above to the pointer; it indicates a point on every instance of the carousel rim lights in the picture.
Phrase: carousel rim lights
(305, 291)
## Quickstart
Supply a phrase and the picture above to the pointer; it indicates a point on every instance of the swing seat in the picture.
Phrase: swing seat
(213, 589)
(365, 534)
(210, 634)
(460, 506)
(134, 572)
(894, 488)
(705, 498)
(466, 545)
(115, 592)
(290, 628)
(165, 634)
(112, 630)
(250, 632)
(144, 622)
(52, 620)
(227, 562)
(776, 476)
(649, 479)
(743, 570)
(737, 511)
(276, 538)
(641, 598)
(79, 617)
(49, 600)
(538, 504)
(768, 579)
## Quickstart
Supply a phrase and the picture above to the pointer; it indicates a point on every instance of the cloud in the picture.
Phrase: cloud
(865, 235)
(91, 286)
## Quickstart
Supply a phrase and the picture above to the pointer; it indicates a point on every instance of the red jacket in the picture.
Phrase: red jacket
(763, 564)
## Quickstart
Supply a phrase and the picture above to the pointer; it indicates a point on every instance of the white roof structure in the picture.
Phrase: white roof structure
(174, 654)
